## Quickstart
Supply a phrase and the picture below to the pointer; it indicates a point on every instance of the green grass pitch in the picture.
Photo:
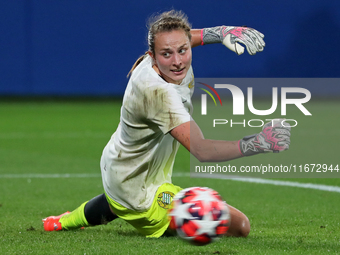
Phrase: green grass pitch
(54, 138)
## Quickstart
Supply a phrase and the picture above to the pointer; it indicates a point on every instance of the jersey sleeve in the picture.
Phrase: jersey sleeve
(165, 108)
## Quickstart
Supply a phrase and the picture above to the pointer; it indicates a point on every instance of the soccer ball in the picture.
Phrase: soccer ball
(199, 215)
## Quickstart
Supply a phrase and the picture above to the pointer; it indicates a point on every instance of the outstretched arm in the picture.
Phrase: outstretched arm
(275, 136)
(195, 37)
(205, 150)
(231, 37)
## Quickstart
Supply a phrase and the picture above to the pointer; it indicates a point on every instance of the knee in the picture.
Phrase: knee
(239, 223)
(244, 229)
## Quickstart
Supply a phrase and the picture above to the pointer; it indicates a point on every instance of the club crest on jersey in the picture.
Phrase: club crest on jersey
(164, 199)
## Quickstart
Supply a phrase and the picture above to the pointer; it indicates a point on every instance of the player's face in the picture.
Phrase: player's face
(172, 55)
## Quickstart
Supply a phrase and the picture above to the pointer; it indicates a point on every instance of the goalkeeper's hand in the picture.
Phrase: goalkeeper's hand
(231, 37)
(275, 136)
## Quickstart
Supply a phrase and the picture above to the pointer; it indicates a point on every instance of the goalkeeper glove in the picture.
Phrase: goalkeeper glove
(231, 36)
(275, 136)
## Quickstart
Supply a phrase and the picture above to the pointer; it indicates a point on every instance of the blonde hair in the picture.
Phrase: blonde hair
(164, 22)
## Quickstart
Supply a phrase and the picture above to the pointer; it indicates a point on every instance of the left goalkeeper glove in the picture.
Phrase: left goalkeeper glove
(275, 136)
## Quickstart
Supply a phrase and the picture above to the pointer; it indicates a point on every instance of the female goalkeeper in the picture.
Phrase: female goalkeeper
(137, 162)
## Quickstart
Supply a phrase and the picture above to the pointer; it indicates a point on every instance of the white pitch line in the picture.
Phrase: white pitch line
(272, 182)
(213, 176)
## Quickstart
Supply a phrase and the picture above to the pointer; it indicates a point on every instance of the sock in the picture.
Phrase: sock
(75, 219)
(97, 211)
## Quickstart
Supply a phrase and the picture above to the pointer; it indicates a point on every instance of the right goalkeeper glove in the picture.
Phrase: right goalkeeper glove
(275, 136)
(231, 37)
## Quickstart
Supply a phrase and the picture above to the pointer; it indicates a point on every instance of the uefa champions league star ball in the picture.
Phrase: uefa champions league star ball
(199, 215)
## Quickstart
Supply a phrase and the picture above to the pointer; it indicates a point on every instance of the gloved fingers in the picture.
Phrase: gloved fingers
(284, 141)
(283, 137)
(257, 37)
(246, 40)
(281, 131)
(252, 39)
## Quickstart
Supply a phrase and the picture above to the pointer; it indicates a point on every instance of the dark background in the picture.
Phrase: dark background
(86, 48)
